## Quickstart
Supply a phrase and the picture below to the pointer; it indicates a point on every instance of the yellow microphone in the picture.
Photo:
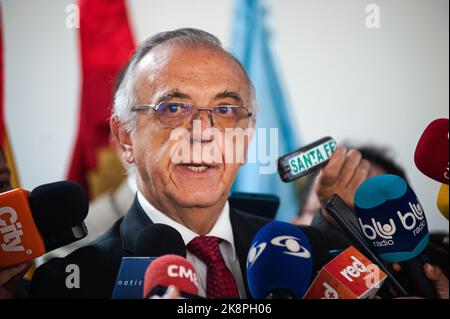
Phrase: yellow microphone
(442, 200)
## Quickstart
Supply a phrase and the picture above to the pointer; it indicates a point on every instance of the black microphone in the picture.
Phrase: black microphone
(158, 240)
(346, 218)
(59, 211)
(154, 241)
(32, 224)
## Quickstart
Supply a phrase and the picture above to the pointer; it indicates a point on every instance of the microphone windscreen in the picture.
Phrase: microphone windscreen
(171, 270)
(58, 205)
(442, 200)
(431, 155)
(279, 259)
(159, 239)
(391, 218)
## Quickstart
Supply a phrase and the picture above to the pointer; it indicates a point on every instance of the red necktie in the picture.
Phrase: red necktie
(220, 282)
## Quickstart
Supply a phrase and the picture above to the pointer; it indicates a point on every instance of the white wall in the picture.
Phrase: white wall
(343, 79)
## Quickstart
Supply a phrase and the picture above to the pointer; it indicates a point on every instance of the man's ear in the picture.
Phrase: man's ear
(123, 139)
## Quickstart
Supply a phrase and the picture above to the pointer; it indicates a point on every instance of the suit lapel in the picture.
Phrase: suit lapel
(245, 228)
(134, 222)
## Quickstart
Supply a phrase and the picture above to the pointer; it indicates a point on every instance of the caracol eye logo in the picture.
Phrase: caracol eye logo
(11, 231)
(255, 251)
(293, 246)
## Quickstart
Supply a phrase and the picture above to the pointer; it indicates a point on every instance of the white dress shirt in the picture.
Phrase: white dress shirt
(222, 229)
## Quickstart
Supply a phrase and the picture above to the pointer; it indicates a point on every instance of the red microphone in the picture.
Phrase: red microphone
(350, 275)
(431, 156)
(170, 270)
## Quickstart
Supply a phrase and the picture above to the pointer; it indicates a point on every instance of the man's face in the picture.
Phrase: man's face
(200, 76)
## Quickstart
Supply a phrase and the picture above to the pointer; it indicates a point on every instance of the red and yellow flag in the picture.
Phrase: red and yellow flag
(4, 142)
(106, 44)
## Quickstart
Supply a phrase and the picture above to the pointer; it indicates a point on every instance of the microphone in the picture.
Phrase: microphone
(442, 200)
(49, 217)
(350, 275)
(159, 239)
(346, 218)
(431, 155)
(154, 241)
(170, 270)
(306, 159)
(393, 221)
(280, 261)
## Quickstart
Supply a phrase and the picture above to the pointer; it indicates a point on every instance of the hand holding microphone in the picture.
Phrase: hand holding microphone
(435, 274)
(9, 277)
(343, 174)
(343, 170)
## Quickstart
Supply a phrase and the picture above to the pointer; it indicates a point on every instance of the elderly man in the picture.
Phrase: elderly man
(174, 79)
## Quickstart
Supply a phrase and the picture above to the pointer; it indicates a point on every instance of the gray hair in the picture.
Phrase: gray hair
(125, 96)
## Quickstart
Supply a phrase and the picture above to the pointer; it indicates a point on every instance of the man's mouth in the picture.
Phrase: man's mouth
(198, 167)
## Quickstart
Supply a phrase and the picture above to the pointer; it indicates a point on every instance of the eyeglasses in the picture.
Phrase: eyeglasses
(175, 114)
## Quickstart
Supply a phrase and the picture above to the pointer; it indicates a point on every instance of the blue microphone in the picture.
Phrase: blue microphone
(279, 263)
(393, 221)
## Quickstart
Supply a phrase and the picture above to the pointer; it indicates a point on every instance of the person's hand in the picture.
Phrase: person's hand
(342, 175)
(171, 293)
(436, 275)
(9, 277)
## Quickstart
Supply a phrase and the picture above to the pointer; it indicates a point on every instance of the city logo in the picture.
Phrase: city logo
(11, 231)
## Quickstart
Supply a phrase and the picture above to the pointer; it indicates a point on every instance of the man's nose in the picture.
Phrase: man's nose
(202, 121)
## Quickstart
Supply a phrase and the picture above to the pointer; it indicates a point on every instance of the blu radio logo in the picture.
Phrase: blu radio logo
(391, 217)
(11, 231)
(413, 219)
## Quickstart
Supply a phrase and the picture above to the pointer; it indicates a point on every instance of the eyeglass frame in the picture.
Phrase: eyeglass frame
(143, 107)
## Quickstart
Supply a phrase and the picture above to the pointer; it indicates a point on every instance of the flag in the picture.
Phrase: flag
(106, 44)
(4, 142)
(250, 44)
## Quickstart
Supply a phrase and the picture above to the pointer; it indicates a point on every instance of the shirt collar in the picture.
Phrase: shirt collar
(221, 229)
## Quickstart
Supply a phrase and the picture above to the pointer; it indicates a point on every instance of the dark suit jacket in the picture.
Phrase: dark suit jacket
(99, 261)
